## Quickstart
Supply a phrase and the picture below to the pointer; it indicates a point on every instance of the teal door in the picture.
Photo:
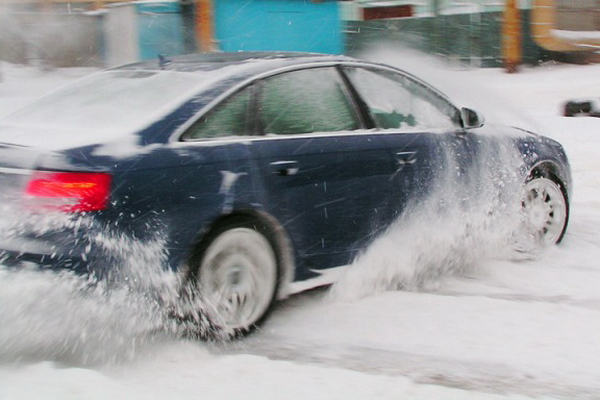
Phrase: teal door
(283, 25)
(160, 29)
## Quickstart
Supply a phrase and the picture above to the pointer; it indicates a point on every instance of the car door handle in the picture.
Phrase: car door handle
(406, 157)
(284, 168)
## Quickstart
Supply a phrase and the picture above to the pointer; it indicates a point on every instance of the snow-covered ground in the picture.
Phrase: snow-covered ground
(503, 329)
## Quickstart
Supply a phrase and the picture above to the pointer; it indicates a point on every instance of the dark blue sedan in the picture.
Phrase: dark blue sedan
(250, 172)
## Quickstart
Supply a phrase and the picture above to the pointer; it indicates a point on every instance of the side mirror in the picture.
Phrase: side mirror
(470, 118)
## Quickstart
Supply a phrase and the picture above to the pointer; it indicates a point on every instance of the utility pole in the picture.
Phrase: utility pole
(204, 25)
(511, 36)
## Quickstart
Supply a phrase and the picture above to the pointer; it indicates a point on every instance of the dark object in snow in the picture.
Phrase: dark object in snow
(163, 61)
(247, 173)
(590, 108)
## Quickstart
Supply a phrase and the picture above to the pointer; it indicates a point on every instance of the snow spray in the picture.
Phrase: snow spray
(82, 320)
(472, 213)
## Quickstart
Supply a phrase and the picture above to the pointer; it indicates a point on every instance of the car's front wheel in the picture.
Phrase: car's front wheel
(545, 211)
(236, 274)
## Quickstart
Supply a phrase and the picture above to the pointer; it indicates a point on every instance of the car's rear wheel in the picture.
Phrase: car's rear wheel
(545, 211)
(236, 273)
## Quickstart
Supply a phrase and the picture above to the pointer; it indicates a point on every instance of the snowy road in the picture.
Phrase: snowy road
(528, 326)
(503, 328)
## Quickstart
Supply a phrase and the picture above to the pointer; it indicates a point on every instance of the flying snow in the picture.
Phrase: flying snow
(471, 215)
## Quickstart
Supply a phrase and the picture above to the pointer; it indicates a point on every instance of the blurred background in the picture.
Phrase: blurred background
(478, 33)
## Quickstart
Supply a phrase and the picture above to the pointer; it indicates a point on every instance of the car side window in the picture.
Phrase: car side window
(398, 102)
(229, 118)
(310, 100)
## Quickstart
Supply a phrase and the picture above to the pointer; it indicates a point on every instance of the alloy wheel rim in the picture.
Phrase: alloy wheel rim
(545, 211)
(237, 277)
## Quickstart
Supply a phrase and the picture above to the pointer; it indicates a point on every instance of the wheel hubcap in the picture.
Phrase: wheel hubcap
(238, 276)
(545, 209)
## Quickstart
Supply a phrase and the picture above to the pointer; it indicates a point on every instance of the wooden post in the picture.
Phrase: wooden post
(98, 4)
(511, 36)
(204, 25)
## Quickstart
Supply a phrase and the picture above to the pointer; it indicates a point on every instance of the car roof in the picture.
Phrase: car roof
(249, 62)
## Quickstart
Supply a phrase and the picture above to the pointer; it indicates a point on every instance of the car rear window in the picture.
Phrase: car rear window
(109, 101)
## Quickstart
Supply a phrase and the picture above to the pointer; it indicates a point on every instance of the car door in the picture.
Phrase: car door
(419, 126)
(213, 167)
(325, 176)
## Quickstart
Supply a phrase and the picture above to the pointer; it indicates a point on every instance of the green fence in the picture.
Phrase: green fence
(471, 39)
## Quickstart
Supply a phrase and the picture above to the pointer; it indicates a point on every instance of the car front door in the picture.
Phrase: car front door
(419, 126)
(326, 178)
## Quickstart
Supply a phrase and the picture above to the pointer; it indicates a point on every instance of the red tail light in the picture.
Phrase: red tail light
(68, 191)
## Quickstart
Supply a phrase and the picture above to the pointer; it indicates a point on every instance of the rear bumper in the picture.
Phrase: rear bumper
(28, 252)
(86, 245)
(49, 241)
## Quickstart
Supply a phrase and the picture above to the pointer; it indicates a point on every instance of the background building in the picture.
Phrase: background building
(109, 32)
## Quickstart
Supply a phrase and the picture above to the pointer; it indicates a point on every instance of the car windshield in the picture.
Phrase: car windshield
(110, 101)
